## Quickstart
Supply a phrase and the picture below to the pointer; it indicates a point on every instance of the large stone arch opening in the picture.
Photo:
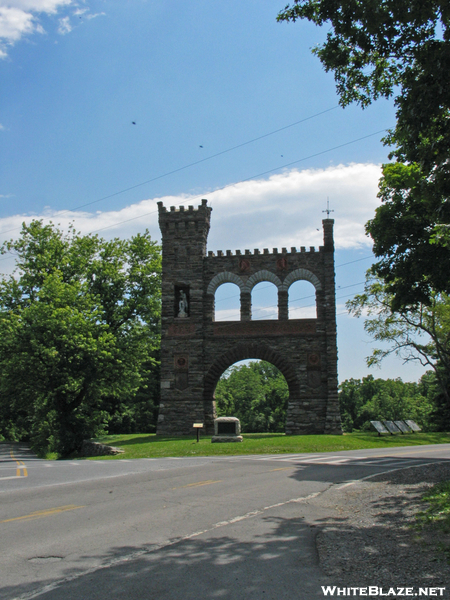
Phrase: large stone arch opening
(195, 349)
(243, 351)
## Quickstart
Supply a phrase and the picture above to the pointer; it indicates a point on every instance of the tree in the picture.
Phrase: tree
(420, 334)
(257, 394)
(398, 48)
(370, 399)
(79, 327)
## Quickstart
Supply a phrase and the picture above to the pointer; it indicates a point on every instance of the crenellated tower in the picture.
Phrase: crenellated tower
(196, 350)
(184, 236)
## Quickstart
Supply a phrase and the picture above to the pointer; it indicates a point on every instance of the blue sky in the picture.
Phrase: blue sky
(198, 100)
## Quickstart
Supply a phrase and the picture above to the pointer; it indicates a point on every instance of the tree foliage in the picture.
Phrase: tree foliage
(369, 399)
(257, 394)
(398, 48)
(79, 332)
(419, 334)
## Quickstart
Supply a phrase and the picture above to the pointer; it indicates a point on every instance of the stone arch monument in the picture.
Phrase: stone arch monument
(196, 350)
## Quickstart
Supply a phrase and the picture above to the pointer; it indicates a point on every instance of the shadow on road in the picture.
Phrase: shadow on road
(273, 559)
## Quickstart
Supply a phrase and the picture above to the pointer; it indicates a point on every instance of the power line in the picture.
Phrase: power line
(197, 162)
(230, 184)
(254, 176)
(302, 298)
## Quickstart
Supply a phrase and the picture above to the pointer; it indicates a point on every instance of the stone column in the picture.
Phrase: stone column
(283, 310)
(246, 306)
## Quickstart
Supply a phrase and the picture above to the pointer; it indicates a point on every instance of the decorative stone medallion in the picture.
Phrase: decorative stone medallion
(282, 263)
(244, 265)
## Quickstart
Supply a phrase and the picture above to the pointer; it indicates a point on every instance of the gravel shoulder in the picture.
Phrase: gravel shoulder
(368, 538)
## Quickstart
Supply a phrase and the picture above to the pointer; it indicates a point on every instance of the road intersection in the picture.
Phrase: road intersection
(211, 527)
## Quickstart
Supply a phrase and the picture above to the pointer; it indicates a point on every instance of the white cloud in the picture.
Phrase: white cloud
(2, 127)
(14, 23)
(46, 6)
(19, 18)
(94, 15)
(64, 26)
(285, 210)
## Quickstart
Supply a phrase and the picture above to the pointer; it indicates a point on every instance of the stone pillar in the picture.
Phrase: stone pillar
(283, 309)
(246, 306)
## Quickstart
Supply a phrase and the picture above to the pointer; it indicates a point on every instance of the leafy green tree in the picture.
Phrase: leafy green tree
(79, 325)
(398, 48)
(257, 394)
(420, 334)
(370, 399)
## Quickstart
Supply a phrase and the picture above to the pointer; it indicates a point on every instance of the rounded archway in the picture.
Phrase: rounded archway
(255, 392)
(244, 351)
(227, 304)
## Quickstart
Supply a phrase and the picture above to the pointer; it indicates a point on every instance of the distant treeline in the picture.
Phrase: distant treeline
(257, 394)
(369, 399)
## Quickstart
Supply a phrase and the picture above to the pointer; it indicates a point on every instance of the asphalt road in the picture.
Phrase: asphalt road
(173, 529)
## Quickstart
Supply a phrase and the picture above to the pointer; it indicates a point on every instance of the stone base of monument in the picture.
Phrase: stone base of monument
(227, 429)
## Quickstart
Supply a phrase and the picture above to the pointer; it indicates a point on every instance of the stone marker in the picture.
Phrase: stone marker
(391, 426)
(413, 425)
(90, 448)
(227, 429)
(404, 428)
(379, 427)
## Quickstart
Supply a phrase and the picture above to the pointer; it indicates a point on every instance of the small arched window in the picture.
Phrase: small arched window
(302, 300)
(227, 303)
(264, 301)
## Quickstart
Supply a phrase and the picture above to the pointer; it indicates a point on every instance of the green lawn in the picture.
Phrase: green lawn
(152, 446)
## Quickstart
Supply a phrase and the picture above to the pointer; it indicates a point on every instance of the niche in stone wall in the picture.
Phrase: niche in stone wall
(182, 302)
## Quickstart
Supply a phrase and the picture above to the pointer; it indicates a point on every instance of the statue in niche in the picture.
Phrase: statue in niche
(183, 305)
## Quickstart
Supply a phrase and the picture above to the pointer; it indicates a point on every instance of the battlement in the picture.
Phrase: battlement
(257, 252)
(183, 228)
(328, 245)
(181, 210)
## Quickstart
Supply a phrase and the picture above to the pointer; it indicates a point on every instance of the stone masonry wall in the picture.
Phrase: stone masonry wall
(196, 350)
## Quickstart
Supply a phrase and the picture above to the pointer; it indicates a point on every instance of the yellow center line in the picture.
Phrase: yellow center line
(198, 483)
(281, 469)
(21, 470)
(44, 513)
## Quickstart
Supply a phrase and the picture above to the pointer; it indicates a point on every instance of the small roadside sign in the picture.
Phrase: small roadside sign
(198, 426)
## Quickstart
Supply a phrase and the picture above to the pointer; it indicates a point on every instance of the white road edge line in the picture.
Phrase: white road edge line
(401, 468)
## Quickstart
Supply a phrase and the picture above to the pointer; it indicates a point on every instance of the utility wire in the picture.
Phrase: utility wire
(229, 184)
(252, 177)
(197, 162)
(267, 286)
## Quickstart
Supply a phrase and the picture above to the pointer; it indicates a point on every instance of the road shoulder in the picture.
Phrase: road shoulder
(368, 537)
